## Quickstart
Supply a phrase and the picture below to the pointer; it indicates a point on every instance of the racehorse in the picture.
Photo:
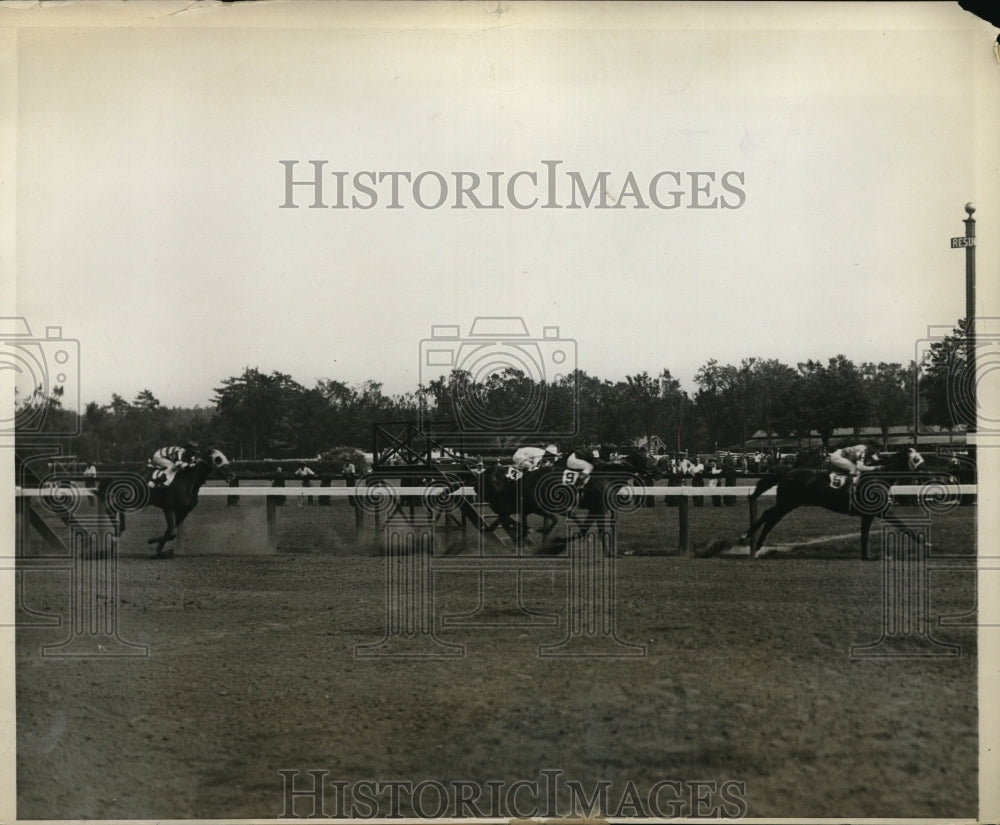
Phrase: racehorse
(802, 486)
(180, 497)
(550, 490)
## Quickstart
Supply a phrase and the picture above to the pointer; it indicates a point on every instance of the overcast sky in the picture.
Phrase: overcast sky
(149, 184)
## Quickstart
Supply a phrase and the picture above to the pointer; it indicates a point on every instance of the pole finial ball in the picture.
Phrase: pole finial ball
(970, 208)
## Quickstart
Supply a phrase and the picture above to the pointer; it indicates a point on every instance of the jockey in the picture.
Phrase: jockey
(575, 460)
(854, 460)
(527, 459)
(168, 460)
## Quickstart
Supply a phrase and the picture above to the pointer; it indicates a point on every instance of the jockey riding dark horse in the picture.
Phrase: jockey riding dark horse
(180, 496)
(552, 490)
(856, 495)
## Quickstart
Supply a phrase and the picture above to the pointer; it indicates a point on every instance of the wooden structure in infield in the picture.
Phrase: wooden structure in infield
(87, 552)
(65, 492)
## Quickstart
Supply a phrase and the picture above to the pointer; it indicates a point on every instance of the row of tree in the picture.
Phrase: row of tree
(269, 415)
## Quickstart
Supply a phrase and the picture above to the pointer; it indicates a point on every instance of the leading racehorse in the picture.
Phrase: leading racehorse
(180, 497)
(551, 490)
(866, 495)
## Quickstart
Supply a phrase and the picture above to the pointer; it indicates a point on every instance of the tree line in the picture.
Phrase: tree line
(257, 415)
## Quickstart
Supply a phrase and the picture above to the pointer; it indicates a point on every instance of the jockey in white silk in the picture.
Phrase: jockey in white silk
(527, 459)
(854, 460)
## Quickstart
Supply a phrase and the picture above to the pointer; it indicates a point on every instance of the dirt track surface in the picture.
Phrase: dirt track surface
(251, 671)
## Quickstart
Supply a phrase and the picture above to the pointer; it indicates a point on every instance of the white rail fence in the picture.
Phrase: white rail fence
(381, 500)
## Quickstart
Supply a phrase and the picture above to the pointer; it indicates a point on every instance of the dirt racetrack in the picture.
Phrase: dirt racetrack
(747, 678)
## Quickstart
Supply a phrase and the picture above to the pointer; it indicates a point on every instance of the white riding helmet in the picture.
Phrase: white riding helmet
(552, 449)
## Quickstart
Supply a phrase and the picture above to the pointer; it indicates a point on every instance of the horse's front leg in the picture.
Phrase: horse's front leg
(177, 516)
(523, 529)
(507, 521)
(159, 541)
(168, 517)
(168, 535)
(517, 527)
(171, 518)
(866, 527)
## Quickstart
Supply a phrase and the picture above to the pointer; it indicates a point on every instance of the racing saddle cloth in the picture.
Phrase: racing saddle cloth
(839, 480)
(571, 478)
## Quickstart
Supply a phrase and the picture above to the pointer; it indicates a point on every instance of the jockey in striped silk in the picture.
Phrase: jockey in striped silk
(168, 460)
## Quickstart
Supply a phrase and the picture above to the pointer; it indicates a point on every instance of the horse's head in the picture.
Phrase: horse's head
(641, 463)
(490, 478)
(905, 460)
(913, 459)
(218, 463)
